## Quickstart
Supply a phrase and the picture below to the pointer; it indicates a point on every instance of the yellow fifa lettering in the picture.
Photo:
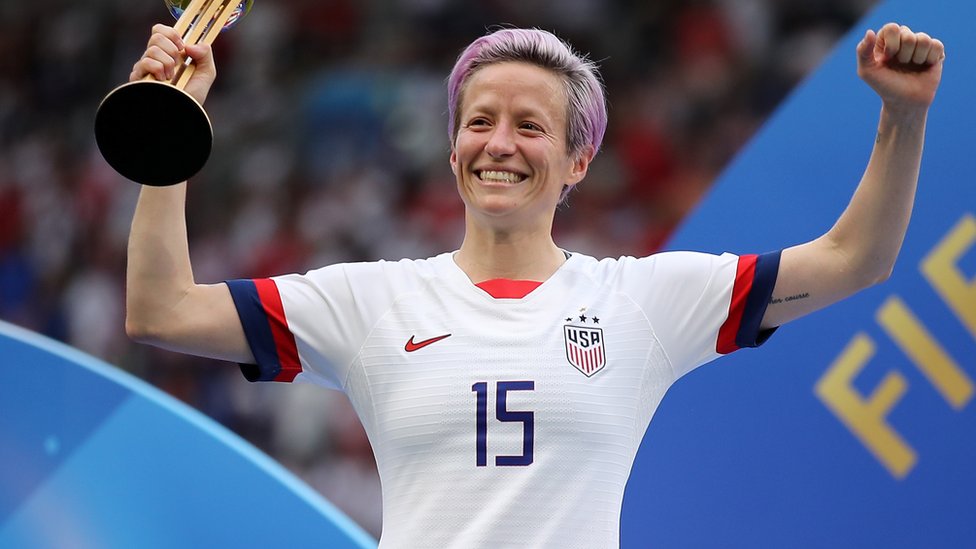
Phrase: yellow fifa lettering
(940, 268)
(866, 417)
(919, 345)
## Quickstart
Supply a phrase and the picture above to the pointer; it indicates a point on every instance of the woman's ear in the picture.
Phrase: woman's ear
(581, 163)
(453, 161)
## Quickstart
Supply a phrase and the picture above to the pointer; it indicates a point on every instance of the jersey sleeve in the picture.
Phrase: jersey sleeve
(702, 306)
(752, 288)
(267, 330)
(310, 326)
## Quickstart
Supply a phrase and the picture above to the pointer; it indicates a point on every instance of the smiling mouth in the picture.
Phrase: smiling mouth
(495, 176)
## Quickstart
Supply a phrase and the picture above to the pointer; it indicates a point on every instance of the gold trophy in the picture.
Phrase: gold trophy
(139, 123)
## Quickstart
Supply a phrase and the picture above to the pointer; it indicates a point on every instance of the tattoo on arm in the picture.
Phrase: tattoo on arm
(778, 300)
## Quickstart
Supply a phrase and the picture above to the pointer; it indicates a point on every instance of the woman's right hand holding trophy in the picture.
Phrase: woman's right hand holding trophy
(166, 54)
(154, 130)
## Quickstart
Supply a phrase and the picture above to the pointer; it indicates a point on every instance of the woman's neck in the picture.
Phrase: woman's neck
(486, 255)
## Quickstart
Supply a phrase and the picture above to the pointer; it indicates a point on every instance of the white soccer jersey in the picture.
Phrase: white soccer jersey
(504, 422)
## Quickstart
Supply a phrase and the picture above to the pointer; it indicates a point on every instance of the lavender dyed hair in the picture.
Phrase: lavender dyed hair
(587, 109)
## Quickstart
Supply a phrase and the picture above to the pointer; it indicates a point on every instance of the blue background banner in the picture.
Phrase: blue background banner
(853, 427)
(92, 457)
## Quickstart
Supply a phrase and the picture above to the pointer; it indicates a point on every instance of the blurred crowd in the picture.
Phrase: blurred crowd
(330, 145)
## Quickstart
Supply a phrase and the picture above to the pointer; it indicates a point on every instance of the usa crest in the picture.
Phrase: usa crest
(584, 348)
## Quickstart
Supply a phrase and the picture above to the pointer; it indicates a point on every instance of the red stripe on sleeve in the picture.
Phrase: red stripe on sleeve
(285, 344)
(745, 272)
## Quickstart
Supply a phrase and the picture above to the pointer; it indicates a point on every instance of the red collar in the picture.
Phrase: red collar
(506, 288)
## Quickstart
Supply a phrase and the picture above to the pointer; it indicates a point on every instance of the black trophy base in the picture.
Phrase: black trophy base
(153, 133)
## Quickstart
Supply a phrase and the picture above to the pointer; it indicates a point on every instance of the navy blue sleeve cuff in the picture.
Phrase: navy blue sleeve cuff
(763, 282)
(257, 330)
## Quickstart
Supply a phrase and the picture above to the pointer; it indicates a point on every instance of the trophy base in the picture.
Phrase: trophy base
(153, 133)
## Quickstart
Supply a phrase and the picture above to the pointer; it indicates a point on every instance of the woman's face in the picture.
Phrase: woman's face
(510, 157)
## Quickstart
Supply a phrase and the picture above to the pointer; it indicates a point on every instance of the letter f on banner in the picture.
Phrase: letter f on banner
(866, 417)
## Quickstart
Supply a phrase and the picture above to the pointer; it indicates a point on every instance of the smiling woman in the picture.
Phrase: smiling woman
(512, 161)
(573, 353)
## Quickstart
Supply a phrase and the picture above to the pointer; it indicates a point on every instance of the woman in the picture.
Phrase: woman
(505, 386)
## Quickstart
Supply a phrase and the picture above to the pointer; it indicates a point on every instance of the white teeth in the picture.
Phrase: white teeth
(504, 177)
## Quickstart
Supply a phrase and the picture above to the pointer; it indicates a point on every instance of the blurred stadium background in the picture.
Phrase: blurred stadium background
(331, 146)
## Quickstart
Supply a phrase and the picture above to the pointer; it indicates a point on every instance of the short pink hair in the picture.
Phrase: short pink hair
(587, 109)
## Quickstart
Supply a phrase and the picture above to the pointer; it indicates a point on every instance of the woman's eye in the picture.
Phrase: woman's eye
(531, 127)
(478, 122)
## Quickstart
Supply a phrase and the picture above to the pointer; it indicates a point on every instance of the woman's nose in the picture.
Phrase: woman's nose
(501, 143)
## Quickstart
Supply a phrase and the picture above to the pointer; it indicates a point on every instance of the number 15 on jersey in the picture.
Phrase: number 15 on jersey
(502, 414)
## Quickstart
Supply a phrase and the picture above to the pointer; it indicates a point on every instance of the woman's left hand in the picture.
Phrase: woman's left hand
(902, 66)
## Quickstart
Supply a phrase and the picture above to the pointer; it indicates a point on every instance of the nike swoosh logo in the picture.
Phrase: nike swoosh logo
(412, 346)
